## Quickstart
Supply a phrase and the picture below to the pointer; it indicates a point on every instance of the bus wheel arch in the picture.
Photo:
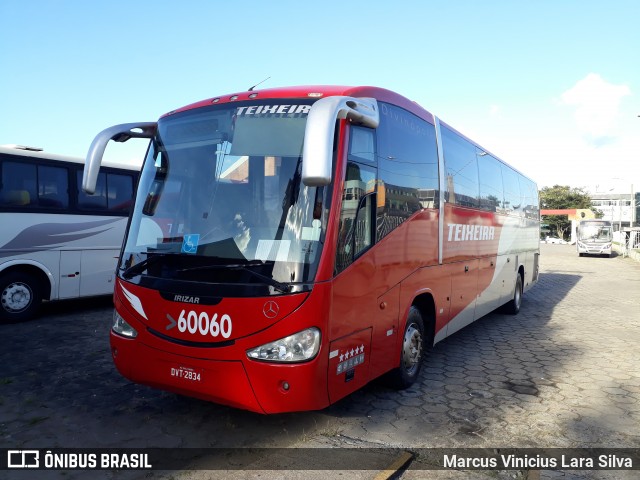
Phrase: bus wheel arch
(512, 307)
(425, 303)
(416, 341)
(22, 289)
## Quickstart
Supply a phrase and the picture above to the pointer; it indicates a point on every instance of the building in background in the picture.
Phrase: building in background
(619, 208)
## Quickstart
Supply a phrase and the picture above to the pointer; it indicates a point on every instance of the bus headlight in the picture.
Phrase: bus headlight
(299, 347)
(122, 328)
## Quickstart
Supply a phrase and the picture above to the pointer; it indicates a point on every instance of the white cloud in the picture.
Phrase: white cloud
(597, 105)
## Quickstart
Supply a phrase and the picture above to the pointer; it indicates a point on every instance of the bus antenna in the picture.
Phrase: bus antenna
(251, 89)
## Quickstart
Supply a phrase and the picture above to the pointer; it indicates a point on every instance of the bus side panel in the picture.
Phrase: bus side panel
(356, 290)
(80, 251)
(489, 288)
(464, 290)
(435, 282)
(349, 361)
(372, 279)
(385, 333)
(469, 233)
(98, 271)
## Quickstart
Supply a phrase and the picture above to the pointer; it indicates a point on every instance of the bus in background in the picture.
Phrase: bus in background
(289, 245)
(594, 237)
(56, 241)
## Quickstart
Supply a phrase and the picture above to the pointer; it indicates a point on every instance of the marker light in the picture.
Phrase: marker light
(299, 347)
(121, 327)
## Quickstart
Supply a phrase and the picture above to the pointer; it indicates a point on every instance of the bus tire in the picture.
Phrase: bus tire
(412, 352)
(20, 296)
(513, 306)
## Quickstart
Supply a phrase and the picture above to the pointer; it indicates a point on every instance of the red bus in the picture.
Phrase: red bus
(289, 245)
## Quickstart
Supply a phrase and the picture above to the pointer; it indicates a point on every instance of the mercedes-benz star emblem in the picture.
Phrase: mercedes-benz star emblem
(270, 309)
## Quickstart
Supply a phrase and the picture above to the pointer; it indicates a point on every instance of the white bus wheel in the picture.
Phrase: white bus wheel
(20, 296)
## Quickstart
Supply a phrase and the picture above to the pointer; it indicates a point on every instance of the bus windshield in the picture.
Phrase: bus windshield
(595, 233)
(220, 200)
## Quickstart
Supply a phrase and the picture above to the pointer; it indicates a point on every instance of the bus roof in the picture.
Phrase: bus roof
(32, 152)
(320, 91)
(317, 91)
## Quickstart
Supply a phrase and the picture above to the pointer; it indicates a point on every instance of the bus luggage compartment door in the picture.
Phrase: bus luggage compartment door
(69, 286)
(349, 364)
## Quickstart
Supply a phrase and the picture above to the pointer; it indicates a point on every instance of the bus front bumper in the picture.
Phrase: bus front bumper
(250, 385)
(594, 249)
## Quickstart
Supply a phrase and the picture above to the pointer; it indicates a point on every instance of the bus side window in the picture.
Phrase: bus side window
(53, 187)
(97, 200)
(512, 196)
(407, 167)
(18, 184)
(119, 192)
(461, 175)
(491, 189)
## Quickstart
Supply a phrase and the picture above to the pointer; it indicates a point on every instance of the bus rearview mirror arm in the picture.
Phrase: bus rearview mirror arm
(317, 152)
(117, 133)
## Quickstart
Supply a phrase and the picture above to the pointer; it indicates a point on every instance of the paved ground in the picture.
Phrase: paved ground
(563, 373)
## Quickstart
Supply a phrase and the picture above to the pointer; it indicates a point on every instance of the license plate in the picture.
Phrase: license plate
(187, 373)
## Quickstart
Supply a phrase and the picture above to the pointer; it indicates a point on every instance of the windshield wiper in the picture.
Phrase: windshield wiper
(140, 267)
(281, 287)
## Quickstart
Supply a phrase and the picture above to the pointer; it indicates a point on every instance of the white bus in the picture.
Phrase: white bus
(594, 237)
(56, 241)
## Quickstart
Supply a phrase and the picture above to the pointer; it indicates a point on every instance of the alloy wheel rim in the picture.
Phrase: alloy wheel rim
(412, 349)
(16, 297)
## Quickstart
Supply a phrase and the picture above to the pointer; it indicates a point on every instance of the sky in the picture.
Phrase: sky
(550, 86)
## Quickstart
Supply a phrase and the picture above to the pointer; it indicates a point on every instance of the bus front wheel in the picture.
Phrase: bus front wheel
(20, 296)
(411, 353)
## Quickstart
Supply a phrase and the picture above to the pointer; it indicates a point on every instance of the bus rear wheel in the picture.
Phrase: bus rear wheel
(513, 306)
(20, 296)
(411, 353)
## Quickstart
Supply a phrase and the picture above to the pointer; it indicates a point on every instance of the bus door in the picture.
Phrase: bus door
(355, 310)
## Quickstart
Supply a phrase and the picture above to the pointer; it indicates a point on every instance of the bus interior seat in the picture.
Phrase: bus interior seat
(16, 197)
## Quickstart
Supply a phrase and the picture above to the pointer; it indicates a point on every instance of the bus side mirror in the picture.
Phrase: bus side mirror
(118, 133)
(317, 151)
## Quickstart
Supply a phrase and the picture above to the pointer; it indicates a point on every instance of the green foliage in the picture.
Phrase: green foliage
(563, 196)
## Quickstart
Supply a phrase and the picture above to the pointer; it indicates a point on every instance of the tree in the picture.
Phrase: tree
(561, 197)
